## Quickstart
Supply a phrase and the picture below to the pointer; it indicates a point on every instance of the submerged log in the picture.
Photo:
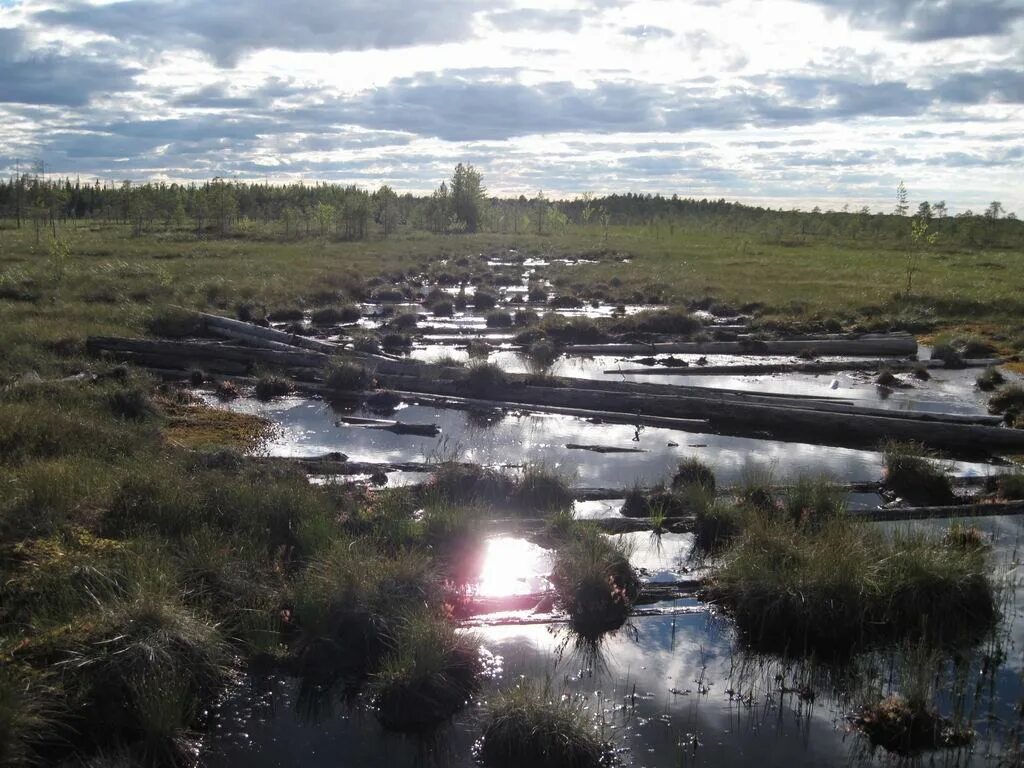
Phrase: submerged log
(467, 606)
(602, 448)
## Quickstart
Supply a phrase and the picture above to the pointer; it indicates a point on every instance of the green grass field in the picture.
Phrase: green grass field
(137, 557)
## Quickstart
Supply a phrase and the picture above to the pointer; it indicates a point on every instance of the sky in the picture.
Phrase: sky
(788, 103)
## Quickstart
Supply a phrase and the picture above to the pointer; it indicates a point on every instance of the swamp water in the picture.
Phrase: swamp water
(669, 690)
(674, 688)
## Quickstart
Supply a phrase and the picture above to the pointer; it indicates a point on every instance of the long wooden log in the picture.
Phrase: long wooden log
(226, 326)
(249, 333)
(193, 350)
(818, 367)
(780, 421)
(736, 413)
(933, 513)
(886, 345)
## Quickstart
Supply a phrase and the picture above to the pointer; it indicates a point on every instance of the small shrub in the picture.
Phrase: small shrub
(921, 372)
(196, 377)
(537, 294)
(499, 319)
(531, 725)
(268, 387)
(886, 378)
(348, 377)
(909, 473)
(989, 379)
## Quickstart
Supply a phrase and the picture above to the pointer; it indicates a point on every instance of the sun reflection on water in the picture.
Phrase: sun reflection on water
(513, 566)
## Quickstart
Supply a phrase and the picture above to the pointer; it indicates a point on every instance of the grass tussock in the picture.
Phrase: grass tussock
(335, 315)
(270, 386)
(344, 378)
(531, 724)
(913, 476)
(989, 379)
(348, 604)
(829, 588)
(174, 323)
(1009, 401)
(694, 472)
(538, 489)
(909, 727)
(427, 676)
(1011, 485)
(485, 380)
(594, 581)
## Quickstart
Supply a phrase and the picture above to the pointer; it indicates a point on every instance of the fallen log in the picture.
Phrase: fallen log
(602, 448)
(755, 369)
(733, 416)
(467, 606)
(893, 514)
(519, 620)
(183, 352)
(896, 344)
(225, 326)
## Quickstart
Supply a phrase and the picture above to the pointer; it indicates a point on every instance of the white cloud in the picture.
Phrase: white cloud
(802, 101)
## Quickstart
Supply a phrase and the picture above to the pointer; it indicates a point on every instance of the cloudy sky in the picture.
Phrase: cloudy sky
(784, 102)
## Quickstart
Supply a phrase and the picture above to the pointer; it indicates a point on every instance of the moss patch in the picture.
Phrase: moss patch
(194, 426)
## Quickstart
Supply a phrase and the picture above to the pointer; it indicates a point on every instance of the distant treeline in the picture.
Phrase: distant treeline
(221, 208)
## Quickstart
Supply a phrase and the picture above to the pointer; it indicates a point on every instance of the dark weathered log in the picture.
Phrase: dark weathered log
(602, 448)
(818, 367)
(466, 606)
(610, 417)
(518, 620)
(620, 524)
(733, 416)
(402, 428)
(214, 351)
(327, 466)
(934, 513)
(895, 344)
(225, 326)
